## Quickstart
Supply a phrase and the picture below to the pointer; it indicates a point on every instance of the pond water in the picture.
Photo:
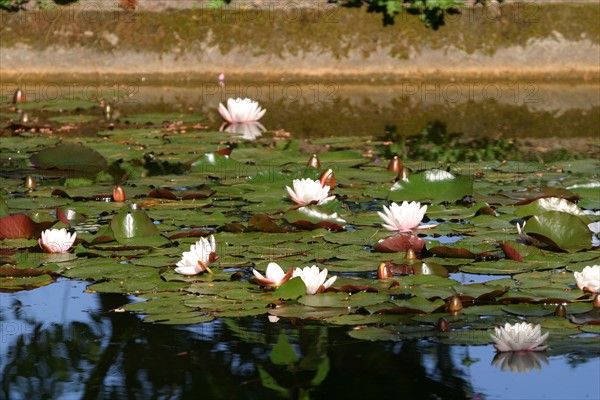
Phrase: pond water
(82, 338)
(59, 342)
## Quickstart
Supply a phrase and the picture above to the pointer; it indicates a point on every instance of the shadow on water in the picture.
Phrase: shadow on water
(116, 355)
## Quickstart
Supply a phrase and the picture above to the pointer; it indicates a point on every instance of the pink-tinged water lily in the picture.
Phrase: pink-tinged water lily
(313, 278)
(56, 240)
(588, 280)
(519, 337)
(307, 191)
(274, 275)
(197, 260)
(403, 218)
(241, 110)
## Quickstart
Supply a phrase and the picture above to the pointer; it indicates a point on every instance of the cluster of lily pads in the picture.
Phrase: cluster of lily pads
(188, 218)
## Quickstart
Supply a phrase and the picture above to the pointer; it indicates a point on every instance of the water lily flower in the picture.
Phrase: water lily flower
(595, 228)
(403, 218)
(274, 275)
(437, 175)
(241, 110)
(56, 240)
(248, 130)
(307, 191)
(197, 260)
(589, 279)
(525, 238)
(519, 337)
(314, 279)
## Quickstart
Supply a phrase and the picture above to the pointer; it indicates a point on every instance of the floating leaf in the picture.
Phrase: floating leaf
(21, 226)
(70, 157)
(400, 243)
(560, 230)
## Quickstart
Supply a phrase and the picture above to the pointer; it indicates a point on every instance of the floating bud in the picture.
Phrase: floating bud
(24, 118)
(29, 182)
(118, 194)
(314, 162)
(395, 164)
(108, 111)
(442, 325)
(19, 96)
(384, 271)
(455, 305)
(327, 178)
(410, 255)
(561, 311)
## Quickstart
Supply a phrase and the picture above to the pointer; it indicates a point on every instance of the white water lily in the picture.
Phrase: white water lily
(313, 278)
(307, 191)
(525, 237)
(519, 337)
(595, 228)
(437, 175)
(589, 279)
(241, 110)
(274, 275)
(197, 260)
(247, 130)
(404, 217)
(56, 240)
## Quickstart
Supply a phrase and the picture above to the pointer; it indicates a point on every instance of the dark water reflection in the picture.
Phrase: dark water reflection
(62, 344)
(521, 109)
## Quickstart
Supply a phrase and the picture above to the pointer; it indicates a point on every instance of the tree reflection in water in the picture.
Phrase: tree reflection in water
(116, 355)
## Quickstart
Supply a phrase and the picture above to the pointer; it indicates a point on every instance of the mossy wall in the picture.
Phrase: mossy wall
(547, 41)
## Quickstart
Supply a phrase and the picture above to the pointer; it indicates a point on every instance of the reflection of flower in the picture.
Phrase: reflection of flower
(56, 240)
(197, 260)
(306, 191)
(274, 275)
(589, 279)
(519, 337)
(241, 110)
(314, 279)
(315, 213)
(403, 218)
(523, 361)
(248, 130)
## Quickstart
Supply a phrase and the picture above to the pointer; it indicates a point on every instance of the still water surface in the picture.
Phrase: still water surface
(59, 342)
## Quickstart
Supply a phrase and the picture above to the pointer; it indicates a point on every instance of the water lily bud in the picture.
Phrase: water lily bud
(118, 194)
(402, 175)
(107, 111)
(29, 182)
(410, 255)
(314, 162)
(19, 96)
(24, 118)
(455, 305)
(561, 311)
(395, 165)
(384, 271)
(597, 301)
(442, 325)
(327, 178)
